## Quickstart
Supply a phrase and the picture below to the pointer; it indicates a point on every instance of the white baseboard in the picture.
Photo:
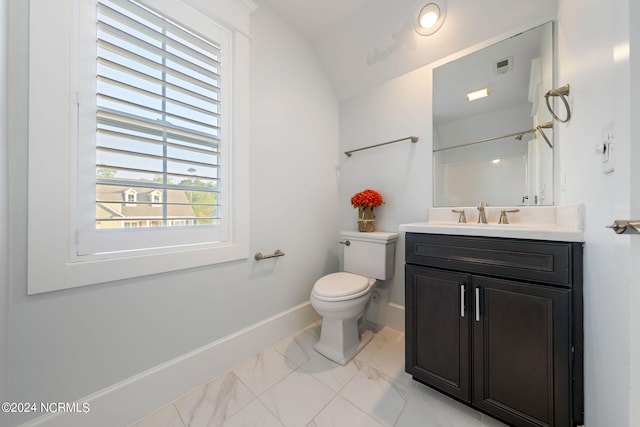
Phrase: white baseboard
(387, 314)
(128, 401)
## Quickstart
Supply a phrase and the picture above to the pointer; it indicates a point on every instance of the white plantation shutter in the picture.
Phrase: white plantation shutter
(158, 119)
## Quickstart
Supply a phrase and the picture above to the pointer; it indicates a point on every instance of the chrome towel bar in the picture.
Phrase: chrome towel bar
(412, 138)
(519, 135)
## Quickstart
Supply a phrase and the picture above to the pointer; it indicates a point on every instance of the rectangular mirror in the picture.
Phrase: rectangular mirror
(491, 149)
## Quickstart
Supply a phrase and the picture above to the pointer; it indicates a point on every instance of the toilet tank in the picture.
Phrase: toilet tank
(370, 254)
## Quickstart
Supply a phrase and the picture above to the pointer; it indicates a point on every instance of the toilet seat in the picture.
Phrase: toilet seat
(341, 286)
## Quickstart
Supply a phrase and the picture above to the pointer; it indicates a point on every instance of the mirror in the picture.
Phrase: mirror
(489, 149)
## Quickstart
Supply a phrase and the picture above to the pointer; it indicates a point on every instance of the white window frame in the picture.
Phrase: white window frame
(53, 221)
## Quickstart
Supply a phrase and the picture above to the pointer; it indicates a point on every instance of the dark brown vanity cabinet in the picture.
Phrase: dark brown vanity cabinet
(497, 324)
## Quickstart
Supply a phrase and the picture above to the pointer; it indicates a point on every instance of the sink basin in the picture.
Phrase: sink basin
(557, 223)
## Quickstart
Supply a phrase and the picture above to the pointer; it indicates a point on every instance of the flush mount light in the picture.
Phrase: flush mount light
(478, 94)
(430, 17)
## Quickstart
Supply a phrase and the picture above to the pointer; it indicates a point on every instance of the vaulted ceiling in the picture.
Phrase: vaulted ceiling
(364, 43)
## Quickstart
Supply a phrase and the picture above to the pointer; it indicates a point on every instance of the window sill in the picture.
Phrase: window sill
(52, 273)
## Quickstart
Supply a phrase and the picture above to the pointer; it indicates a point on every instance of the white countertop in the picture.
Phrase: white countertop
(556, 233)
(556, 223)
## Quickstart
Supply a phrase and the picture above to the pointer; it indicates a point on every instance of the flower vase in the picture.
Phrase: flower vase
(366, 219)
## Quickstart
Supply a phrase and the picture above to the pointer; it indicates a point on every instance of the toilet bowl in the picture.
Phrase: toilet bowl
(343, 298)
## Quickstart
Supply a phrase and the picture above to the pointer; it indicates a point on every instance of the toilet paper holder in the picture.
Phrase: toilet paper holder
(259, 256)
(625, 226)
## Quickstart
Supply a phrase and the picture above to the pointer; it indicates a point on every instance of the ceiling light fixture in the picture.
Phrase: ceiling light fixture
(478, 94)
(430, 18)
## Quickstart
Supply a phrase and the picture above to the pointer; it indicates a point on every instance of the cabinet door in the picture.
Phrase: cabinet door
(521, 353)
(437, 329)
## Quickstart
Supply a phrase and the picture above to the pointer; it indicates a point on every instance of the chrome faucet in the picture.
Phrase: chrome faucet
(503, 215)
(462, 219)
(482, 217)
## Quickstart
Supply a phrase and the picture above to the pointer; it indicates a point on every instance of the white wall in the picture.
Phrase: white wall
(634, 336)
(65, 345)
(592, 47)
(4, 225)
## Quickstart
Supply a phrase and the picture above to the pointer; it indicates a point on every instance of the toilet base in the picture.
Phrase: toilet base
(340, 358)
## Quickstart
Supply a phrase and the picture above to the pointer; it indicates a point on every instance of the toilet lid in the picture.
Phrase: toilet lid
(341, 285)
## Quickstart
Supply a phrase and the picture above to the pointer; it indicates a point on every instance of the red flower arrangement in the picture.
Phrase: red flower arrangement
(366, 198)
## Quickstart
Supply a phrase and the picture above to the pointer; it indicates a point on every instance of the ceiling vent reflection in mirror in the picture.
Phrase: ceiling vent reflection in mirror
(504, 65)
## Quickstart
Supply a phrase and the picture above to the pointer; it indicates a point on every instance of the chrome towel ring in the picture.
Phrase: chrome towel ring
(561, 92)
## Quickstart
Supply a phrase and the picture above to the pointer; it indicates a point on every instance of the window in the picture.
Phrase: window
(136, 101)
(158, 114)
(156, 120)
(130, 198)
(156, 198)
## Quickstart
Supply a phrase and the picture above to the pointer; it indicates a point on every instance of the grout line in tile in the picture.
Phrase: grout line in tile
(357, 364)
(323, 408)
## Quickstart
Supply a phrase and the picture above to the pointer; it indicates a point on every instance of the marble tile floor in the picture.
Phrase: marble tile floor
(291, 385)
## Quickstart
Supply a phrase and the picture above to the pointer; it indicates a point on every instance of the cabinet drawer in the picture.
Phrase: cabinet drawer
(545, 262)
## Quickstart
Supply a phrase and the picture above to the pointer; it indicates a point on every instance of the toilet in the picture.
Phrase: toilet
(342, 298)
